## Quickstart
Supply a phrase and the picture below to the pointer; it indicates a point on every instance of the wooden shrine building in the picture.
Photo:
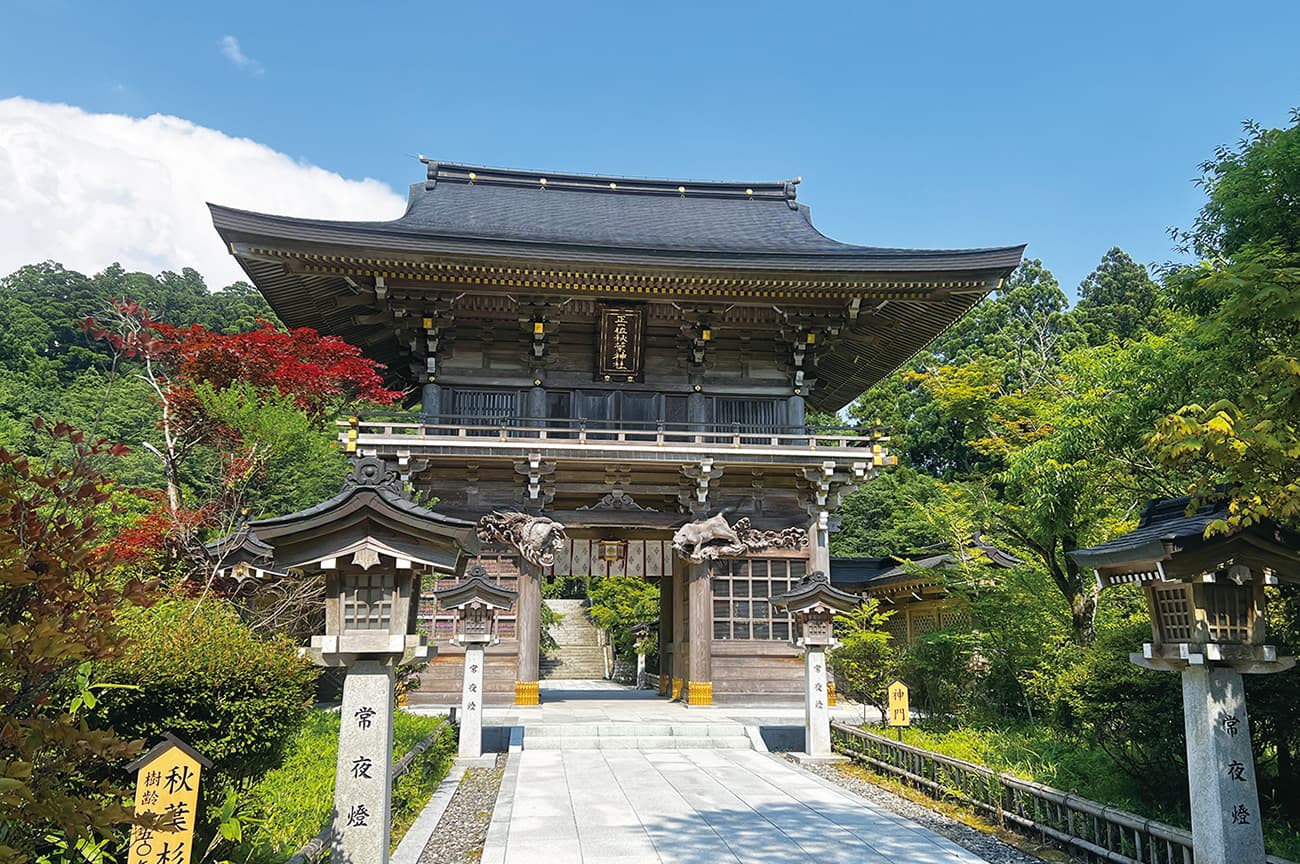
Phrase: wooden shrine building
(915, 587)
(597, 365)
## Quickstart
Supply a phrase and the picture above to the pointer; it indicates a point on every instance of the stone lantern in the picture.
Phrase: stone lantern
(372, 546)
(813, 604)
(1206, 597)
(476, 602)
(641, 633)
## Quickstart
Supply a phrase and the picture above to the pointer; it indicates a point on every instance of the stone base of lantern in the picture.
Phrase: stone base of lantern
(364, 773)
(1181, 656)
(527, 693)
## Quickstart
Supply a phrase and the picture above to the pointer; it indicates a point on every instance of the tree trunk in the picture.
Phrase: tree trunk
(1084, 617)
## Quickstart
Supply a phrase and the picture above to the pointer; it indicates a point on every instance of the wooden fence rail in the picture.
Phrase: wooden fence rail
(1095, 832)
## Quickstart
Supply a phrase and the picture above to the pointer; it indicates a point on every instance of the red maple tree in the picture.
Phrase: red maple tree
(322, 375)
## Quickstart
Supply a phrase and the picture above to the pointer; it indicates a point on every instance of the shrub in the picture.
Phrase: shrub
(1132, 714)
(236, 697)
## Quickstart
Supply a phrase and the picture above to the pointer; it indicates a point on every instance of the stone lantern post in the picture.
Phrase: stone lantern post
(641, 632)
(371, 546)
(476, 602)
(1206, 597)
(813, 604)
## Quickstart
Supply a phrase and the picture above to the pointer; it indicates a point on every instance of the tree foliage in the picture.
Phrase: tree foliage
(59, 600)
(618, 603)
(865, 661)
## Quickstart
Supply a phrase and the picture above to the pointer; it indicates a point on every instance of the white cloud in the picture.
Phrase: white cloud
(230, 47)
(90, 189)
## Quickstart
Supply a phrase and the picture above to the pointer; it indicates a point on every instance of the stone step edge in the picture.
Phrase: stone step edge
(647, 743)
(633, 730)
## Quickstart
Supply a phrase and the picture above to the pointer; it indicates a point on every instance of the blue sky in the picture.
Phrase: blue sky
(1072, 127)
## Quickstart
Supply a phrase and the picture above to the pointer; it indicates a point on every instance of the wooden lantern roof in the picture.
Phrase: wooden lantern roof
(476, 587)
(1169, 545)
(370, 513)
(815, 591)
(480, 230)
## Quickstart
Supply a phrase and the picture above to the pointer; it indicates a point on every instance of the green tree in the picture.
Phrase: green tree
(864, 661)
(618, 603)
(1254, 195)
(59, 599)
(1116, 300)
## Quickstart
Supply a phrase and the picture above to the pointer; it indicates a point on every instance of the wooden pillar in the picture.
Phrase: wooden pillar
(681, 631)
(819, 543)
(666, 634)
(430, 401)
(794, 412)
(529, 627)
(699, 689)
(536, 403)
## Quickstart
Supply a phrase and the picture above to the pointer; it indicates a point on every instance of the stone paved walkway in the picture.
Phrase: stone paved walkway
(705, 806)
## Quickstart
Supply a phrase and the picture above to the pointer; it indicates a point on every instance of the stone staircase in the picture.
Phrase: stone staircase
(636, 736)
(580, 654)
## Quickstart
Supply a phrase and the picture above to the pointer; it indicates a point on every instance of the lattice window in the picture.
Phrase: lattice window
(923, 623)
(742, 597)
(1227, 612)
(484, 404)
(952, 618)
(367, 602)
(750, 412)
(897, 627)
(1173, 612)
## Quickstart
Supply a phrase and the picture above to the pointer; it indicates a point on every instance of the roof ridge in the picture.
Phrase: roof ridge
(475, 174)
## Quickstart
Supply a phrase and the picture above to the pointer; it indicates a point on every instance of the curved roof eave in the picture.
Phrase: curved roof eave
(243, 225)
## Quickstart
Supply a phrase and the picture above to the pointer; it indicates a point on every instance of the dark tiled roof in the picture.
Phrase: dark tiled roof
(478, 584)
(857, 574)
(754, 237)
(854, 574)
(1163, 521)
(611, 219)
(370, 490)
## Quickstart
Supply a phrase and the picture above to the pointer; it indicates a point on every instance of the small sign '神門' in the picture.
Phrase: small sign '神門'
(620, 355)
(899, 713)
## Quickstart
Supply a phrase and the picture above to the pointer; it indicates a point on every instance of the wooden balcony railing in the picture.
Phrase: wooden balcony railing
(413, 430)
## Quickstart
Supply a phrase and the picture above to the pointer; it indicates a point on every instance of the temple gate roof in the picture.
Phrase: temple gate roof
(482, 230)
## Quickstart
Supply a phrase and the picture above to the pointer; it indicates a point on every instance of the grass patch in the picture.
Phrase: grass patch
(290, 804)
(955, 811)
(1044, 756)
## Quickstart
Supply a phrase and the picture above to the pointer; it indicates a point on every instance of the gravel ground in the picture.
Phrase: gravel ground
(459, 837)
(973, 840)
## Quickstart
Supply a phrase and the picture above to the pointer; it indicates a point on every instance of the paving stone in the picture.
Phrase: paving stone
(597, 783)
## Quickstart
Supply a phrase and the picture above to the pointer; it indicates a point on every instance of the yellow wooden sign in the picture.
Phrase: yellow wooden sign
(166, 788)
(899, 715)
